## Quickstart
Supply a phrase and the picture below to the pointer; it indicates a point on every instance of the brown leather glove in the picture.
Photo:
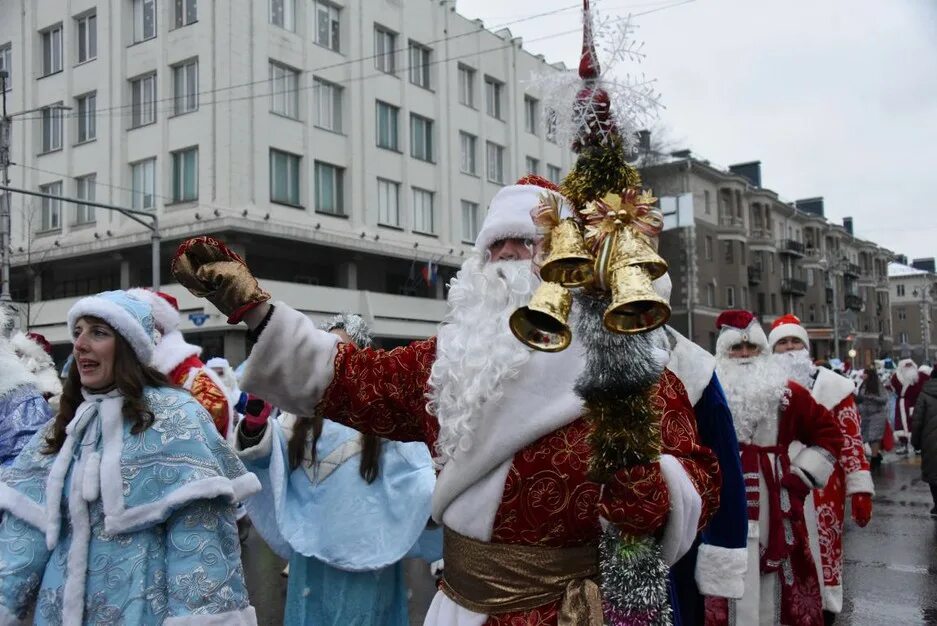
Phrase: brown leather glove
(209, 269)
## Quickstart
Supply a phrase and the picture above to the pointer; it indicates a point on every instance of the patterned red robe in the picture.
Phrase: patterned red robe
(904, 404)
(193, 376)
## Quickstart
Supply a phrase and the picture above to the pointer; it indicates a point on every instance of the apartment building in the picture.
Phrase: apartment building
(347, 148)
(913, 294)
(733, 243)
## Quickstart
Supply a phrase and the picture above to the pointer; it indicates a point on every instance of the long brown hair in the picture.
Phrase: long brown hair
(369, 467)
(130, 378)
(871, 384)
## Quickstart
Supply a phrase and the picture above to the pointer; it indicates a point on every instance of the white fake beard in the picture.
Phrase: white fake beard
(475, 349)
(754, 388)
(908, 376)
(229, 380)
(798, 366)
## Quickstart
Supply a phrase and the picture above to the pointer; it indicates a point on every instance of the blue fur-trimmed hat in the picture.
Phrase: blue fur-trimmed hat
(132, 319)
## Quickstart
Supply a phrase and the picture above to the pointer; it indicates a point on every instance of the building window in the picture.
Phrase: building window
(144, 20)
(900, 290)
(86, 106)
(902, 337)
(774, 303)
(495, 163)
(385, 42)
(284, 177)
(6, 64)
(51, 218)
(902, 313)
(186, 12)
(530, 115)
(421, 137)
(419, 65)
(143, 100)
(284, 90)
(551, 126)
(730, 297)
(387, 126)
(707, 202)
(185, 86)
(811, 280)
(469, 221)
(532, 165)
(84, 213)
(330, 189)
(468, 146)
(143, 176)
(52, 50)
(554, 174)
(467, 86)
(388, 202)
(328, 103)
(327, 26)
(729, 257)
(708, 248)
(51, 128)
(423, 211)
(710, 295)
(185, 175)
(283, 14)
(87, 37)
(494, 91)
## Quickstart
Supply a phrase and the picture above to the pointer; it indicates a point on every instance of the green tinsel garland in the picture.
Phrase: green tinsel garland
(599, 170)
(625, 431)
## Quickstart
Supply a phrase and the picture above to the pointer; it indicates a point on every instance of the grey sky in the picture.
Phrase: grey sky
(836, 98)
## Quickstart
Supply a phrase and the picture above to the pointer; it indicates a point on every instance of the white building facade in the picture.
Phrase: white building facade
(348, 149)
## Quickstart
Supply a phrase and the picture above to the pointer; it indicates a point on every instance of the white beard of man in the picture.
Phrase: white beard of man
(754, 388)
(475, 349)
(908, 376)
(798, 365)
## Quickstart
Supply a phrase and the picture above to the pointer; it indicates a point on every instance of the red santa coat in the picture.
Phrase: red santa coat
(525, 480)
(781, 585)
(904, 403)
(851, 475)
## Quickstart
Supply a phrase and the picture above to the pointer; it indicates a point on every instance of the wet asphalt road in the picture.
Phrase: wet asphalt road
(890, 575)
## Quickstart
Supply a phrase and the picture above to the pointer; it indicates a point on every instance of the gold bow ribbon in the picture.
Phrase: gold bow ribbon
(633, 208)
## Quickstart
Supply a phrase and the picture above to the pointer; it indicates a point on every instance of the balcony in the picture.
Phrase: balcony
(762, 235)
(853, 303)
(792, 247)
(754, 276)
(794, 287)
(812, 254)
(852, 269)
(732, 223)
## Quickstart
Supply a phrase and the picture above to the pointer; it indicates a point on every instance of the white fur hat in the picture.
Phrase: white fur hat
(509, 217)
(738, 326)
(131, 318)
(926, 369)
(787, 325)
(165, 308)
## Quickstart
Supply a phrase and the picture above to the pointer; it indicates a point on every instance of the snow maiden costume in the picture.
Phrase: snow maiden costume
(120, 527)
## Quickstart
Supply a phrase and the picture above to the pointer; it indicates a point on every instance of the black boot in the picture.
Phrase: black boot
(829, 618)
(876, 462)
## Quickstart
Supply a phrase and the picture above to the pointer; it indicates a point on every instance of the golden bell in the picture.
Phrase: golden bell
(569, 262)
(544, 323)
(635, 306)
(633, 248)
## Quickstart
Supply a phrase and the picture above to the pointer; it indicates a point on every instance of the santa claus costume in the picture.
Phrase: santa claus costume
(826, 512)
(35, 352)
(906, 382)
(789, 445)
(179, 361)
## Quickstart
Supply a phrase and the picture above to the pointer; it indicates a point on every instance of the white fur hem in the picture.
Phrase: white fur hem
(444, 612)
(833, 598)
(8, 619)
(692, 365)
(816, 462)
(721, 571)
(754, 531)
(255, 453)
(243, 617)
(22, 507)
(859, 482)
(686, 506)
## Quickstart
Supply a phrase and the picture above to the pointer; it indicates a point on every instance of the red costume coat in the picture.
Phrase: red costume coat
(547, 498)
(904, 403)
(806, 444)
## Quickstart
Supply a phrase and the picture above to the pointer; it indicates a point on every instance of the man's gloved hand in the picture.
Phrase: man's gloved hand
(797, 489)
(861, 508)
(256, 413)
(209, 269)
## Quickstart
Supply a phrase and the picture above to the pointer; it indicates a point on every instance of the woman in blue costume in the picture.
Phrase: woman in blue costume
(120, 509)
(343, 508)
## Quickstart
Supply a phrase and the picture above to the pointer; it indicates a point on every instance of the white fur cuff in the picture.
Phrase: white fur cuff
(261, 451)
(816, 462)
(21, 506)
(833, 598)
(243, 617)
(859, 482)
(686, 506)
(720, 571)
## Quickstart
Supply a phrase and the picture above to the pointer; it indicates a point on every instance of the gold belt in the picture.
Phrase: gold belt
(493, 578)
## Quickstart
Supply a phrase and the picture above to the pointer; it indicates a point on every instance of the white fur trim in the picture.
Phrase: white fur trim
(833, 598)
(721, 571)
(754, 530)
(166, 317)
(444, 612)
(787, 330)
(37, 362)
(830, 388)
(76, 568)
(729, 336)
(21, 506)
(219, 361)
(172, 350)
(509, 214)
(8, 619)
(242, 617)
(259, 452)
(664, 286)
(816, 462)
(13, 373)
(859, 481)
(686, 506)
(925, 369)
(692, 365)
(119, 319)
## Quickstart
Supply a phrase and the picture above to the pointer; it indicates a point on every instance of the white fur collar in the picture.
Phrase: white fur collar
(13, 373)
(830, 388)
(171, 351)
(693, 365)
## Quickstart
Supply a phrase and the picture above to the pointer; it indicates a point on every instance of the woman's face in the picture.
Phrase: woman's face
(94, 346)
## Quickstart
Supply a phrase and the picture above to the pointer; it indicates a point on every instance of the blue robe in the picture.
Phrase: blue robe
(344, 538)
(716, 564)
(124, 528)
(23, 411)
